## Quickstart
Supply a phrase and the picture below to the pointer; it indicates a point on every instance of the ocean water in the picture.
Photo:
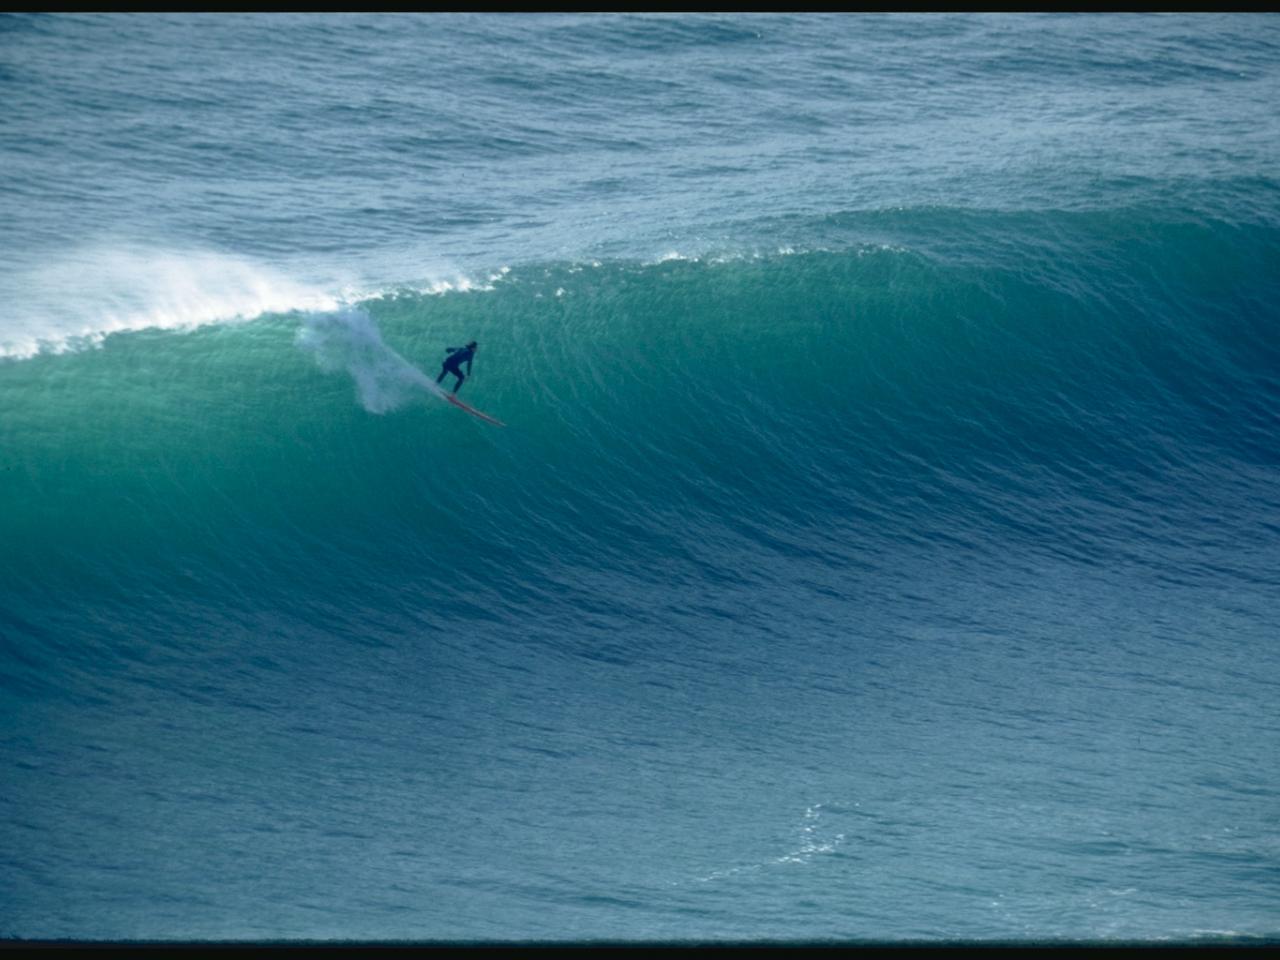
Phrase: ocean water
(883, 543)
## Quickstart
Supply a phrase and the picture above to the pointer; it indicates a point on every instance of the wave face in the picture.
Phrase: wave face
(1103, 392)
(908, 534)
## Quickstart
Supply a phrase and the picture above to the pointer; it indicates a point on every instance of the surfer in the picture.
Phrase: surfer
(453, 363)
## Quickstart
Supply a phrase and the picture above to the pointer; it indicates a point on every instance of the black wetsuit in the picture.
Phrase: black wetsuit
(453, 364)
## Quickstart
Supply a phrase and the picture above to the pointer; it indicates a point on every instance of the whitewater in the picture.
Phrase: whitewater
(883, 545)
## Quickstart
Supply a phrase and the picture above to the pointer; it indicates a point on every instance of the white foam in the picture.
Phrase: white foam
(459, 283)
(96, 290)
(671, 255)
(80, 299)
(813, 842)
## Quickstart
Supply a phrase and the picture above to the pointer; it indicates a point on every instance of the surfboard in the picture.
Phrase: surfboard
(472, 410)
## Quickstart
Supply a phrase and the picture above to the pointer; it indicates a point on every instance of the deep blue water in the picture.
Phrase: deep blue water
(883, 542)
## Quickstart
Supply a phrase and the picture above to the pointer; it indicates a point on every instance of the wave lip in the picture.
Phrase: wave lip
(78, 301)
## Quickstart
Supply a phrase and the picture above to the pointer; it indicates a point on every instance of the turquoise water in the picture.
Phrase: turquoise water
(883, 542)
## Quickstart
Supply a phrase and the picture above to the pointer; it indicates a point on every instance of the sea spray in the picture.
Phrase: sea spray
(349, 341)
(88, 293)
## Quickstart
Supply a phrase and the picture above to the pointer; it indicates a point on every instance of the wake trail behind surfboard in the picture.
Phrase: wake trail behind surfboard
(349, 340)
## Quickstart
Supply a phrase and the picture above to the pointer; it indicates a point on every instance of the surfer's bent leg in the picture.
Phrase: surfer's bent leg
(448, 370)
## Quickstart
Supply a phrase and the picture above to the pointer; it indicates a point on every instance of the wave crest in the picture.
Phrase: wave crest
(79, 300)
